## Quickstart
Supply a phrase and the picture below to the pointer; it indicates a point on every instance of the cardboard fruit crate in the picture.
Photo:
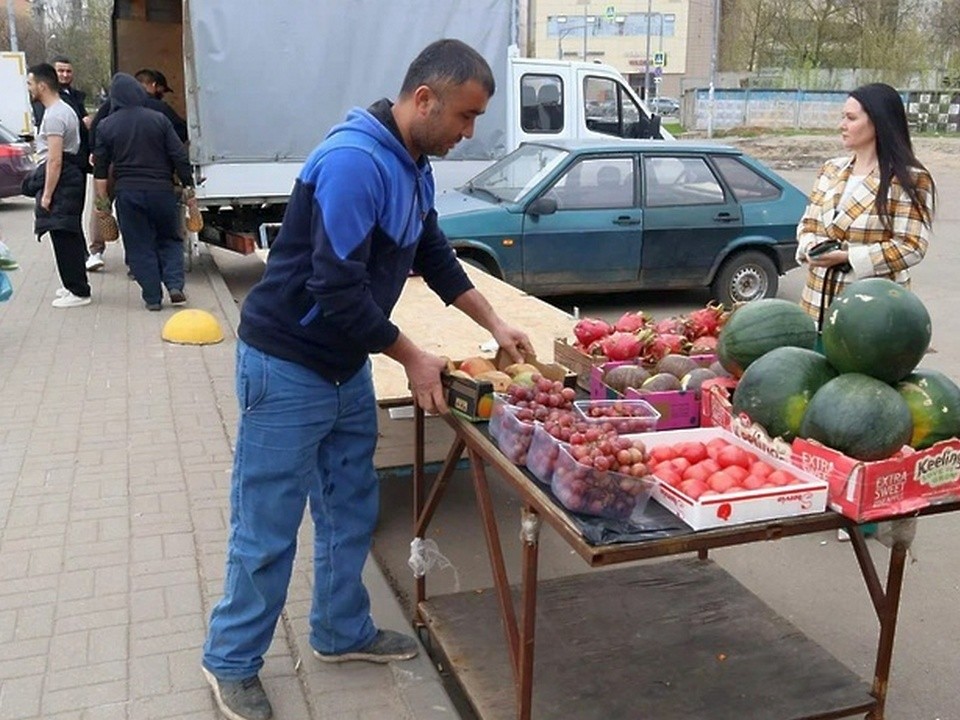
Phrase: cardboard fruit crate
(716, 410)
(862, 491)
(678, 408)
(473, 399)
(806, 497)
(578, 362)
(904, 483)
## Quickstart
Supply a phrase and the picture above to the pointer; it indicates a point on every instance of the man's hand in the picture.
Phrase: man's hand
(45, 202)
(514, 341)
(423, 371)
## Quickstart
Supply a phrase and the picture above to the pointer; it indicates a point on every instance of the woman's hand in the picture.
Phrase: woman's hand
(825, 260)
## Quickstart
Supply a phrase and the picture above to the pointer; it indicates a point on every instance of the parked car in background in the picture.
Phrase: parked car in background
(16, 162)
(601, 216)
(663, 105)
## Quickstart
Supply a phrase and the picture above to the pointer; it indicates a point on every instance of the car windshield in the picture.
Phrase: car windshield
(510, 178)
(7, 137)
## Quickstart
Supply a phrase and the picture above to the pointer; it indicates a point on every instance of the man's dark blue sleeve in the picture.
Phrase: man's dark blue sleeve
(437, 262)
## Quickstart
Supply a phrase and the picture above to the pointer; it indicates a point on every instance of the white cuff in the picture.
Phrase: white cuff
(859, 259)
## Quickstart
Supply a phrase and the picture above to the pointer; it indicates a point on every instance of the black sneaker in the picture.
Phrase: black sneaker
(154, 307)
(177, 297)
(385, 647)
(240, 699)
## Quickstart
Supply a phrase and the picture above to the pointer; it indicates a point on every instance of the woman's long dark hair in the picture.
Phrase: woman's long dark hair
(895, 157)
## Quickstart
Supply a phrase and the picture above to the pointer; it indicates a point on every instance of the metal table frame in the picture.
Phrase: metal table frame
(538, 506)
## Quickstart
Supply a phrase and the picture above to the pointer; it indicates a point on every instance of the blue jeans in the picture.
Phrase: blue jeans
(300, 439)
(150, 225)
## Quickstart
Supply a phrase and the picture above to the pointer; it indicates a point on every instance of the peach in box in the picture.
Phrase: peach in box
(800, 494)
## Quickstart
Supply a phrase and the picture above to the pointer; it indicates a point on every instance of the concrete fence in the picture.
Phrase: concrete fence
(927, 111)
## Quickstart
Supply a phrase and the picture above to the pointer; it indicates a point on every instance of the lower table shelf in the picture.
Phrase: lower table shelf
(674, 640)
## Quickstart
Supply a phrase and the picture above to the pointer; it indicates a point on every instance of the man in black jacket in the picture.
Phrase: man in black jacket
(155, 83)
(144, 151)
(59, 185)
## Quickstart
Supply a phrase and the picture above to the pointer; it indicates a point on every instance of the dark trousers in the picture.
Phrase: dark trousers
(71, 253)
(149, 223)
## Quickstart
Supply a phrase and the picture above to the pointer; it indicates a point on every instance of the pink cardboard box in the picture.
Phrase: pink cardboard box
(677, 408)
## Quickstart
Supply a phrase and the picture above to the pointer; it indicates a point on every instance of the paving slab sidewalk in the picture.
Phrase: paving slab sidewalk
(115, 453)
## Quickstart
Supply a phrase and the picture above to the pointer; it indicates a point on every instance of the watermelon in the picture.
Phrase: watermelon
(877, 328)
(760, 326)
(934, 402)
(776, 389)
(859, 416)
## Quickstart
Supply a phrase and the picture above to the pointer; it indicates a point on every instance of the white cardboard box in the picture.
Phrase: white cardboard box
(804, 498)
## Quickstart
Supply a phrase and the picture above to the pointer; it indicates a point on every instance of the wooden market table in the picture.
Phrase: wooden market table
(666, 637)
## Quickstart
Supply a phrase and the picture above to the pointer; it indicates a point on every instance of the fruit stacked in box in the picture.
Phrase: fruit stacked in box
(639, 338)
(471, 382)
(672, 386)
(579, 452)
(862, 401)
(710, 478)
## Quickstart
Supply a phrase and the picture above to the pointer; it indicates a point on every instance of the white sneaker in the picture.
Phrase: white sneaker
(62, 292)
(70, 300)
(94, 262)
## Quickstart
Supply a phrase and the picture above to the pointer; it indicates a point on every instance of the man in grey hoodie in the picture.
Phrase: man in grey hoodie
(144, 150)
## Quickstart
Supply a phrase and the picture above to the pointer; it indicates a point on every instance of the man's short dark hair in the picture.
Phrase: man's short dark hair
(44, 73)
(448, 62)
(61, 59)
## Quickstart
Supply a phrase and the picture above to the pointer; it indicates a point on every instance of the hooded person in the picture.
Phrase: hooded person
(144, 151)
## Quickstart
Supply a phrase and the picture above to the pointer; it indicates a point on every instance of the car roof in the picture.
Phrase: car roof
(626, 145)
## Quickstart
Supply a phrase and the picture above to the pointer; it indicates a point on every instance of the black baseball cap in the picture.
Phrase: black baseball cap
(158, 77)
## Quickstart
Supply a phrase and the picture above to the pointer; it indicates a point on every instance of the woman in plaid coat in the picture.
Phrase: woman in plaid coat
(876, 204)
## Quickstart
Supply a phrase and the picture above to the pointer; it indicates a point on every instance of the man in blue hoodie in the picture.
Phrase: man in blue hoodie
(144, 150)
(360, 218)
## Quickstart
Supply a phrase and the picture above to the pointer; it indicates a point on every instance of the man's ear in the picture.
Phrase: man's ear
(423, 99)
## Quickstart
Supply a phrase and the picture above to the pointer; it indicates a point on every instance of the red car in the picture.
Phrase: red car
(16, 162)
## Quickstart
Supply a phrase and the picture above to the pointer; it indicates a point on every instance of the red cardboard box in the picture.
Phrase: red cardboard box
(865, 491)
(677, 408)
(804, 498)
(862, 491)
(717, 411)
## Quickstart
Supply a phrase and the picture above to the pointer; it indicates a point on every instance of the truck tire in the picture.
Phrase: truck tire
(746, 275)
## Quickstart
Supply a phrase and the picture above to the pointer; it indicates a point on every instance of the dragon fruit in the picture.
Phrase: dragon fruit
(669, 326)
(589, 330)
(622, 346)
(631, 322)
(656, 345)
(705, 321)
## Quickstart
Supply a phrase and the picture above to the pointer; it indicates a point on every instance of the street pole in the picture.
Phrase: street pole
(12, 24)
(713, 67)
(646, 67)
(585, 32)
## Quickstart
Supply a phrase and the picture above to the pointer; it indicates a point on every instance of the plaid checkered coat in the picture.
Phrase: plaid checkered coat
(874, 251)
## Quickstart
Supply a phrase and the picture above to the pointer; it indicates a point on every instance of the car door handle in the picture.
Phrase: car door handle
(627, 220)
(726, 217)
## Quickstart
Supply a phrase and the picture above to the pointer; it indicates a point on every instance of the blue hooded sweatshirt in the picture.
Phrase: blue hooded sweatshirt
(359, 219)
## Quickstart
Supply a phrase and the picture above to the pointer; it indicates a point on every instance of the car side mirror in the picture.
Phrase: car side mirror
(25, 137)
(542, 206)
(653, 131)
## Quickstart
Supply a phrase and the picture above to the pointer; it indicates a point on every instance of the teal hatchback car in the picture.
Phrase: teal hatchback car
(585, 217)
